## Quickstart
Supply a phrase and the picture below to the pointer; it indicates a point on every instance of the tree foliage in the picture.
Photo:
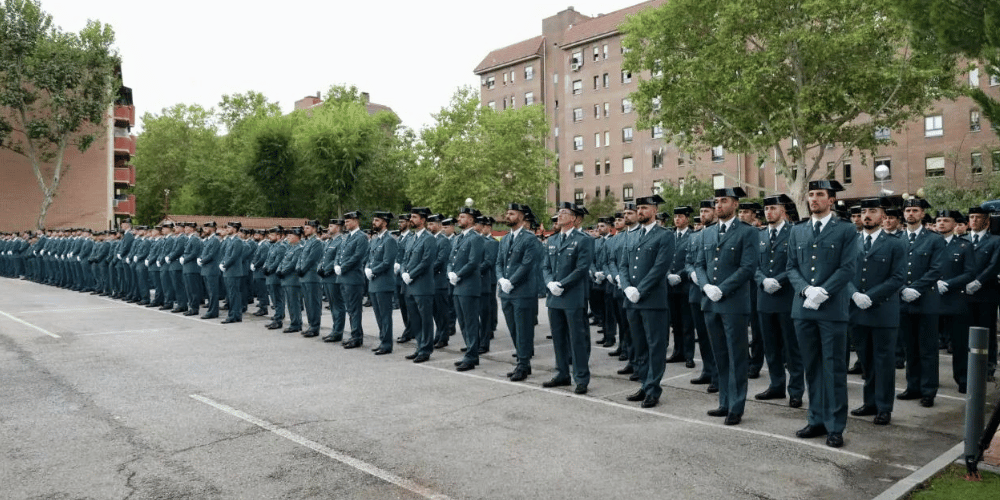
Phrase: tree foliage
(54, 87)
(475, 152)
(780, 78)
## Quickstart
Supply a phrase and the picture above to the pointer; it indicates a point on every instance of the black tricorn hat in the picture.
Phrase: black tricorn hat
(421, 211)
(663, 216)
(978, 210)
(448, 221)
(827, 184)
(435, 218)
(856, 209)
(873, 203)
(235, 224)
(386, 216)
(519, 207)
(628, 205)
(894, 212)
(170, 223)
(778, 199)
(650, 200)
(753, 205)
(297, 230)
(404, 217)
(706, 204)
(619, 215)
(276, 229)
(336, 222)
(356, 215)
(696, 219)
(210, 223)
(554, 218)
(683, 210)
(731, 192)
(468, 210)
(311, 222)
(917, 202)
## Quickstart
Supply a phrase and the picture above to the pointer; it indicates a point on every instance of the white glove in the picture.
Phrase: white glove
(146, 262)
(453, 278)
(942, 287)
(673, 279)
(611, 279)
(599, 276)
(861, 300)
(973, 287)
(816, 294)
(808, 304)
(222, 268)
(618, 281)
(369, 273)
(909, 294)
(252, 267)
(78, 259)
(199, 261)
(119, 256)
(771, 285)
(694, 277)
(71, 254)
(167, 258)
(632, 294)
(395, 268)
(182, 260)
(713, 292)
(555, 288)
(159, 265)
(406, 278)
(505, 285)
(337, 270)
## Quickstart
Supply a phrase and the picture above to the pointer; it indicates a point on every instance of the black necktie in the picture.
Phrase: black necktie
(722, 230)
(868, 243)
(774, 235)
(913, 237)
(817, 227)
(975, 241)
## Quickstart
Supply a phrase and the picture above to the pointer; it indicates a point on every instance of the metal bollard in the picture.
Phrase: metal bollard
(975, 399)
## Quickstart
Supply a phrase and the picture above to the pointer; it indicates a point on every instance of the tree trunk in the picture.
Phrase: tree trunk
(47, 197)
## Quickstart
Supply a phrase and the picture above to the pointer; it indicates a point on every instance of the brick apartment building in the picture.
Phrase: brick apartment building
(574, 70)
(93, 189)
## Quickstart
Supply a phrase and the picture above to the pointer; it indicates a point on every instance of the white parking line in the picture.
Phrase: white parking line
(796, 441)
(75, 309)
(25, 323)
(324, 450)
(124, 331)
(174, 315)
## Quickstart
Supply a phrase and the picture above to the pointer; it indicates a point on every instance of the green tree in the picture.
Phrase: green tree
(690, 193)
(55, 88)
(780, 78)
(237, 109)
(274, 164)
(969, 28)
(475, 152)
(601, 207)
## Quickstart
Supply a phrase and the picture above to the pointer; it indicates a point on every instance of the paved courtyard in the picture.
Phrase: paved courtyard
(102, 399)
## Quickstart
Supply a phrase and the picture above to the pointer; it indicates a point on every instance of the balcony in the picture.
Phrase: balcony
(125, 113)
(125, 145)
(125, 206)
(125, 175)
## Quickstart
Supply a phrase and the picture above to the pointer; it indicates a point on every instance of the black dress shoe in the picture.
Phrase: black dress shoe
(143, 303)
(702, 380)
(712, 389)
(649, 402)
(689, 364)
(291, 330)
(636, 396)
(927, 402)
(961, 389)
(403, 340)
(770, 393)
(476, 363)
(310, 334)
(179, 310)
(811, 431)
(422, 358)
(270, 326)
(753, 373)
(333, 338)
(627, 370)
(352, 344)
(484, 350)
(555, 383)
(733, 419)
(463, 367)
(609, 343)
(900, 364)
(379, 352)
(795, 402)
(440, 345)
(213, 316)
(633, 377)
(411, 356)
(855, 370)
(166, 307)
(230, 320)
(676, 358)
(191, 313)
(623, 356)
(512, 372)
(718, 412)
(864, 411)
(518, 375)
(907, 395)
(883, 418)
(260, 312)
(616, 352)
(154, 304)
(835, 440)
(580, 389)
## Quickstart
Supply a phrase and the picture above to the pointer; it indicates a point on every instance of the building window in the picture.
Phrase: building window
(607, 166)
(555, 78)
(658, 187)
(578, 143)
(607, 138)
(657, 160)
(974, 77)
(994, 79)
(578, 196)
(597, 167)
(597, 82)
(529, 72)
(685, 159)
(529, 98)
(933, 126)
(607, 109)
(597, 111)
(847, 172)
(974, 120)
(597, 53)
(493, 104)
(996, 160)
(577, 114)
(976, 161)
(626, 76)
(657, 132)
(934, 166)
(607, 80)
(887, 163)
(605, 52)
(491, 82)
(511, 76)
(718, 181)
(882, 134)
(627, 134)
(626, 106)
(607, 191)
(597, 139)
(513, 100)
(597, 192)
(577, 87)
(627, 165)
(718, 154)
(504, 103)
(577, 61)
(831, 171)
(578, 171)
(556, 132)
(505, 78)
(627, 193)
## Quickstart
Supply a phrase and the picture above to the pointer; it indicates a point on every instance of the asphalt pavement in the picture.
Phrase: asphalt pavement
(103, 399)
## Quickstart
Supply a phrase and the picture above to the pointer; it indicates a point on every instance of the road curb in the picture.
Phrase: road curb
(904, 486)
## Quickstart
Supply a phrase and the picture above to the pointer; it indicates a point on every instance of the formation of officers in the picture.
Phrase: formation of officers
(889, 284)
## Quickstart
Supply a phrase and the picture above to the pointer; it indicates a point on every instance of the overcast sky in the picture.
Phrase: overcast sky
(408, 55)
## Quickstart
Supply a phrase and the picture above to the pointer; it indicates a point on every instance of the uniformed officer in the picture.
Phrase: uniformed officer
(307, 267)
(748, 214)
(441, 291)
(211, 254)
(957, 271)
(192, 273)
(405, 239)
(139, 253)
(517, 260)
(463, 274)
(175, 269)
(681, 322)
(381, 283)
(983, 291)
(644, 283)
(417, 272)
(629, 231)
(596, 275)
(822, 258)
(275, 256)
(564, 270)
(875, 310)
(290, 284)
(918, 321)
(257, 263)
(488, 290)
(725, 266)
(709, 372)
(349, 269)
(774, 306)
(331, 282)
(231, 266)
